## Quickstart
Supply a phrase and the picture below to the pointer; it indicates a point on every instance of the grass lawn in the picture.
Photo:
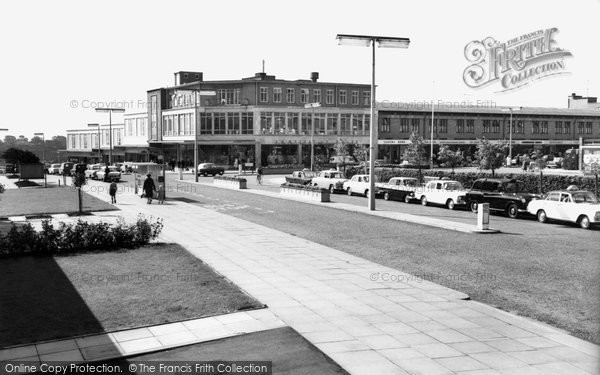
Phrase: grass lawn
(45, 298)
(39, 201)
(289, 352)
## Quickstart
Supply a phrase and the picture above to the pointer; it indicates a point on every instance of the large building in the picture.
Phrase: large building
(264, 120)
(553, 130)
(258, 119)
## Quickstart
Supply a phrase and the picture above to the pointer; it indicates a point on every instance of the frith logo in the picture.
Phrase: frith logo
(515, 63)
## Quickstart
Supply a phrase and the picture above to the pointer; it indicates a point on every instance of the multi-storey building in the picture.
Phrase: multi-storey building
(552, 129)
(92, 144)
(258, 119)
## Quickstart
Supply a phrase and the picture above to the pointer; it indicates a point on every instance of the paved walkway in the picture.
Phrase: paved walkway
(144, 340)
(338, 302)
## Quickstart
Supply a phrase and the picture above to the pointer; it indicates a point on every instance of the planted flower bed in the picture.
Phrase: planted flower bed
(282, 168)
(235, 182)
(304, 192)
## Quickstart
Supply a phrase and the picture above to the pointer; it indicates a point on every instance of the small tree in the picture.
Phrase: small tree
(448, 158)
(595, 170)
(415, 152)
(342, 150)
(361, 153)
(79, 181)
(489, 155)
(540, 164)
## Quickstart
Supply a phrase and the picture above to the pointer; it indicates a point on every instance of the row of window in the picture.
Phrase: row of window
(489, 126)
(83, 141)
(226, 123)
(294, 123)
(290, 96)
(136, 127)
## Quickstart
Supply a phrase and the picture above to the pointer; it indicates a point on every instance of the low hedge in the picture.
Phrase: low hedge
(531, 180)
(230, 178)
(284, 166)
(300, 187)
(79, 237)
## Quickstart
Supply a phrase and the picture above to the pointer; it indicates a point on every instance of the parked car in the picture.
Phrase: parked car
(92, 170)
(359, 184)
(113, 174)
(205, 169)
(126, 167)
(331, 180)
(506, 195)
(444, 192)
(399, 188)
(79, 167)
(555, 163)
(54, 169)
(580, 207)
(65, 168)
(303, 177)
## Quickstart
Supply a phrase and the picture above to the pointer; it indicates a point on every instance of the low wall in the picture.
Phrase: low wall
(311, 195)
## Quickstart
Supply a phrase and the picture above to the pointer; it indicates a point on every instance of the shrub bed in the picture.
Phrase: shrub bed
(230, 178)
(291, 185)
(531, 181)
(79, 237)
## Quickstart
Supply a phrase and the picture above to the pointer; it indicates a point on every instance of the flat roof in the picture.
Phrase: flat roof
(471, 107)
(252, 80)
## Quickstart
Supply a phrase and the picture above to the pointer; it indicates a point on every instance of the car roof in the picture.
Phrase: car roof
(569, 191)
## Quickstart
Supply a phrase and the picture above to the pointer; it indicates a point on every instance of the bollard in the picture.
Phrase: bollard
(181, 173)
(483, 216)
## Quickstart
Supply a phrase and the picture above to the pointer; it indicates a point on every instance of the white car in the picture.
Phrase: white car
(580, 207)
(54, 169)
(113, 174)
(444, 192)
(331, 180)
(92, 170)
(358, 184)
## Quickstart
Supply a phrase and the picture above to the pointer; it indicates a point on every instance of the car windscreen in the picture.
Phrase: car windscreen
(513, 187)
(452, 186)
(411, 183)
(585, 197)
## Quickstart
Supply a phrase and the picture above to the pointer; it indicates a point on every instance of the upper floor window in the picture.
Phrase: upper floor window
(291, 95)
(264, 95)
(304, 96)
(329, 96)
(343, 98)
(354, 97)
(277, 95)
(366, 97)
(317, 95)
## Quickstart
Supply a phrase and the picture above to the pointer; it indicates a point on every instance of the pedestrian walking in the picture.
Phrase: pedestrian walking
(112, 190)
(259, 173)
(149, 188)
(161, 194)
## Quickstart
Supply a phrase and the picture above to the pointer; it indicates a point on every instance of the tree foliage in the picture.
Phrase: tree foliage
(490, 155)
(449, 158)
(415, 152)
(18, 156)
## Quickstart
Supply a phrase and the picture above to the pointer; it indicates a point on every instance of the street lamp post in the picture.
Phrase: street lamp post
(99, 153)
(382, 42)
(43, 156)
(199, 94)
(110, 110)
(510, 131)
(312, 133)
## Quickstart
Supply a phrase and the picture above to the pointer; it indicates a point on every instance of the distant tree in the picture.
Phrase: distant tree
(594, 169)
(18, 156)
(415, 152)
(490, 155)
(36, 140)
(10, 140)
(448, 158)
(79, 181)
(361, 154)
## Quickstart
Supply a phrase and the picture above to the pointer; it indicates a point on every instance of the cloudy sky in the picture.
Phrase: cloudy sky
(60, 58)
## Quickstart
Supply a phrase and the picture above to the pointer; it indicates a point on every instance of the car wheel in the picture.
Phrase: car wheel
(584, 222)
(386, 196)
(450, 204)
(541, 216)
(349, 191)
(221, 173)
(331, 189)
(512, 211)
(205, 174)
(367, 193)
(474, 206)
(406, 199)
(424, 200)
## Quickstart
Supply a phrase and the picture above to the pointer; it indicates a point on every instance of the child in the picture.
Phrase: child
(161, 194)
(112, 190)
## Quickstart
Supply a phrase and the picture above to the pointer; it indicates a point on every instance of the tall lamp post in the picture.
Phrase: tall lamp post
(382, 42)
(312, 133)
(99, 143)
(199, 94)
(110, 110)
(510, 131)
(43, 156)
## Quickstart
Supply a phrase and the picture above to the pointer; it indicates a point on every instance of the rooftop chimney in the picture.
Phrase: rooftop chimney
(314, 76)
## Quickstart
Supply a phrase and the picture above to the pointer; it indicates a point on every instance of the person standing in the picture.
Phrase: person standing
(149, 188)
(161, 194)
(112, 190)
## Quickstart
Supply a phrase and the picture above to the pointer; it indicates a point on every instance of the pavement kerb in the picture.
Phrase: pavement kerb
(393, 215)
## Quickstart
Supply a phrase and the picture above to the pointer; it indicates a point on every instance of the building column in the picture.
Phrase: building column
(257, 154)
(299, 153)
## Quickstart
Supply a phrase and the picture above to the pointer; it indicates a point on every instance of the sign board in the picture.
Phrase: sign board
(34, 170)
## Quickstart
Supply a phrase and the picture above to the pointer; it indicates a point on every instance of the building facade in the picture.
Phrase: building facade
(92, 144)
(258, 119)
(552, 130)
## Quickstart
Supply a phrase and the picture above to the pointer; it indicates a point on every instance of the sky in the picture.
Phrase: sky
(60, 59)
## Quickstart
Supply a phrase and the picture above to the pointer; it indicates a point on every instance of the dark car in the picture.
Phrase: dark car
(206, 169)
(505, 195)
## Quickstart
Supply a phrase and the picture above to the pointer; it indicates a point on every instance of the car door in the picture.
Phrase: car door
(550, 205)
(564, 206)
(436, 194)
